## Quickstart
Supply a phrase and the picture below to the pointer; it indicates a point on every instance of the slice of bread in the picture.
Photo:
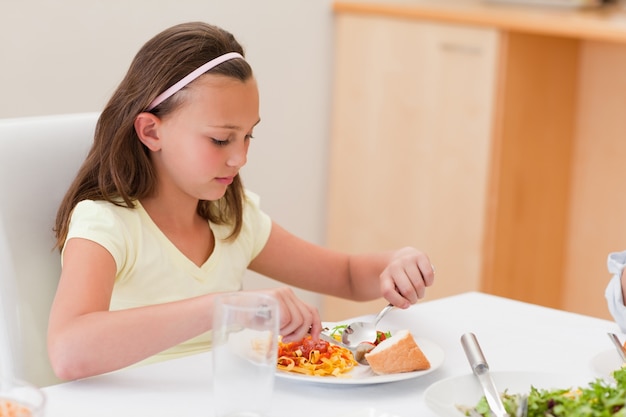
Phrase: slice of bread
(399, 353)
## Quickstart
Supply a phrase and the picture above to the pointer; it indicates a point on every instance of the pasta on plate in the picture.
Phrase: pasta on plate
(311, 357)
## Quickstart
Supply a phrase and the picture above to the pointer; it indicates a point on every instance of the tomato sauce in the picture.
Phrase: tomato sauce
(304, 347)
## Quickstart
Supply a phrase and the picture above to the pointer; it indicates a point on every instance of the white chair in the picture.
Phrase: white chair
(39, 157)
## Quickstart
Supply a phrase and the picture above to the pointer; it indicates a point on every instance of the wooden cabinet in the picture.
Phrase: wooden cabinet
(410, 145)
(494, 145)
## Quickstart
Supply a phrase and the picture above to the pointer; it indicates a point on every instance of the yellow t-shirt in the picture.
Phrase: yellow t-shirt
(151, 270)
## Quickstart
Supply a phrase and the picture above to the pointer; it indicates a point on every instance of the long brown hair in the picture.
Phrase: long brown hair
(118, 168)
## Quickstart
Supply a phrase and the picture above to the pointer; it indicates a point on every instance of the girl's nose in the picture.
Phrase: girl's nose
(238, 155)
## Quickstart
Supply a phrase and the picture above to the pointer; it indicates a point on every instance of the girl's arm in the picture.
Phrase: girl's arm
(399, 276)
(85, 338)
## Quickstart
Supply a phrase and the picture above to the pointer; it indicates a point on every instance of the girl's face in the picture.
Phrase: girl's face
(204, 143)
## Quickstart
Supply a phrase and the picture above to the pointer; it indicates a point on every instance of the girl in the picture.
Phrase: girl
(157, 220)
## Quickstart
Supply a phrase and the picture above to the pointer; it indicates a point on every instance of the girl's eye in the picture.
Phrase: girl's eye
(219, 142)
(224, 142)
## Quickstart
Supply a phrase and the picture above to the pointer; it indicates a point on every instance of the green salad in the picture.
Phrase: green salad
(337, 331)
(599, 398)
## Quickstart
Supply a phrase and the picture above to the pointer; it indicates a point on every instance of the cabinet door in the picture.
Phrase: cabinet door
(410, 143)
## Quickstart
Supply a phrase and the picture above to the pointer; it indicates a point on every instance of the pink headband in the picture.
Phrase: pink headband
(192, 76)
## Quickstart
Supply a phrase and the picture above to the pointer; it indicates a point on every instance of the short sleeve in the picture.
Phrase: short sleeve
(97, 221)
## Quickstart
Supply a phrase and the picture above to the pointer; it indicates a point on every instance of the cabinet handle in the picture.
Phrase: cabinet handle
(460, 48)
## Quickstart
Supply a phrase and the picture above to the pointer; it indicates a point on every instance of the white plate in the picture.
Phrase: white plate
(363, 375)
(605, 362)
(443, 396)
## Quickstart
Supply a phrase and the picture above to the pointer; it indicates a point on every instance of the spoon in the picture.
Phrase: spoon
(358, 352)
(363, 331)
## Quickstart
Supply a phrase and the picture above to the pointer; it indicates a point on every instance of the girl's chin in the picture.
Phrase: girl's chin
(214, 195)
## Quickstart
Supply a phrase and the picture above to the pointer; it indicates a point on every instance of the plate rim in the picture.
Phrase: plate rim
(598, 365)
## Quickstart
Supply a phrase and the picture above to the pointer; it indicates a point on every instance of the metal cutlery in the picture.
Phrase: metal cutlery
(363, 331)
(480, 368)
(522, 406)
(358, 352)
(618, 346)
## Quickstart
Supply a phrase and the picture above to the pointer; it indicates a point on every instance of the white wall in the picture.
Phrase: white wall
(68, 56)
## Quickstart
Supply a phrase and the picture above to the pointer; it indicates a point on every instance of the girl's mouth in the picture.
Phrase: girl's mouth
(225, 180)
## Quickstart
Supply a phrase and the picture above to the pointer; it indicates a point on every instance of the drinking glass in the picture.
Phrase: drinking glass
(20, 399)
(245, 351)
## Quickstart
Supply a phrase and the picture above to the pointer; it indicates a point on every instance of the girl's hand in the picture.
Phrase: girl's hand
(403, 282)
(297, 318)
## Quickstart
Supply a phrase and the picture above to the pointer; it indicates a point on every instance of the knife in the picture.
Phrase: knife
(481, 369)
(331, 339)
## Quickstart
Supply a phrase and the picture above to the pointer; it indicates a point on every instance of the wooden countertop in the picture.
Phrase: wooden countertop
(606, 23)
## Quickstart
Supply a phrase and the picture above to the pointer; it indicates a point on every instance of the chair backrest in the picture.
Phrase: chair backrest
(39, 157)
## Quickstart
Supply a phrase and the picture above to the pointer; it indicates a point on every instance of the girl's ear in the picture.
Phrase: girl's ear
(146, 126)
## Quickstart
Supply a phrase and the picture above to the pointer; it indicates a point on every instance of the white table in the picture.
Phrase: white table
(513, 335)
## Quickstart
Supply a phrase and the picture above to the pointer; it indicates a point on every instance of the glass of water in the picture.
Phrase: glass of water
(245, 349)
(20, 399)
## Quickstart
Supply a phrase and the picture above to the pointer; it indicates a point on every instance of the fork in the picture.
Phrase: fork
(618, 346)
(522, 406)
